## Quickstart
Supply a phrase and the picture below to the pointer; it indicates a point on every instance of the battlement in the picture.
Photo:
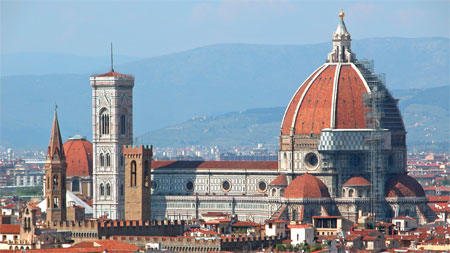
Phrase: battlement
(134, 151)
(190, 244)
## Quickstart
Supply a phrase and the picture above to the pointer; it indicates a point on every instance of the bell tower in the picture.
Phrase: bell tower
(55, 176)
(112, 128)
(137, 182)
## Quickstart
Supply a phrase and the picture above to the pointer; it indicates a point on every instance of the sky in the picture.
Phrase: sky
(151, 28)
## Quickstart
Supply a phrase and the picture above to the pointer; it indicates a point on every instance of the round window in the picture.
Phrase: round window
(226, 185)
(311, 160)
(189, 186)
(153, 185)
(262, 186)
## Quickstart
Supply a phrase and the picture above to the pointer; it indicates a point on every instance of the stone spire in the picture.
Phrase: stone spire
(55, 147)
(341, 43)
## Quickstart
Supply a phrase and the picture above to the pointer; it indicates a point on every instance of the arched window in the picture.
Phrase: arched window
(122, 124)
(146, 174)
(55, 202)
(48, 182)
(75, 185)
(48, 202)
(102, 160)
(133, 173)
(108, 189)
(285, 161)
(108, 159)
(104, 122)
(121, 189)
(274, 192)
(350, 193)
(102, 190)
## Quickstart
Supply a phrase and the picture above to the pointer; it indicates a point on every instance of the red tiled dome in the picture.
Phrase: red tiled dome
(306, 186)
(357, 181)
(332, 97)
(403, 186)
(280, 180)
(78, 156)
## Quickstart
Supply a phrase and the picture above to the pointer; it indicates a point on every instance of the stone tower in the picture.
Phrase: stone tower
(55, 176)
(112, 128)
(137, 182)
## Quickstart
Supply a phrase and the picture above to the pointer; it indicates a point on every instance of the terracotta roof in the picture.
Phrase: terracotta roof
(403, 186)
(300, 226)
(280, 180)
(112, 73)
(9, 229)
(109, 245)
(306, 186)
(312, 106)
(245, 224)
(256, 165)
(78, 157)
(357, 181)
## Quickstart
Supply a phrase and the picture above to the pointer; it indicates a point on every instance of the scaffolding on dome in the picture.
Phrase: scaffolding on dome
(375, 101)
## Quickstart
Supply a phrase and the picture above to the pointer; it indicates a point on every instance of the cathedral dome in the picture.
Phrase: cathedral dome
(333, 95)
(306, 186)
(403, 186)
(357, 181)
(78, 152)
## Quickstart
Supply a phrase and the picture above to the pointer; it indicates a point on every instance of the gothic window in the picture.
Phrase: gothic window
(285, 161)
(108, 159)
(55, 202)
(75, 185)
(146, 174)
(122, 124)
(48, 202)
(121, 189)
(55, 181)
(133, 173)
(102, 160)
(104, 122)
(108, 189)
(48, 182)
(102, 190)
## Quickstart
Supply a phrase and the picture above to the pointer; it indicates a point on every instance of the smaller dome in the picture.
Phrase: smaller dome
(306, 186)
(281, 180)
(78, 152)
(357, 181)
(403, 186)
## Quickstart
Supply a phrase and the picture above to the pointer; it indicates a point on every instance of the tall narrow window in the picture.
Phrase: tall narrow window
(104, 122)
(122, 124)
(121, 189)
(108, 159)
(75, 185)
(133, 173)
(102, 190)
(102, 160)
(146, 174)
(55, 181)
(108, 190)
(55, 202)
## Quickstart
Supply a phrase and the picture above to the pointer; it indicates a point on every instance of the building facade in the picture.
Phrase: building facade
(112, 128)
(342, 151)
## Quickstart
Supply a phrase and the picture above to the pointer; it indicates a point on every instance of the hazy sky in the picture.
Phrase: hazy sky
(157, 27)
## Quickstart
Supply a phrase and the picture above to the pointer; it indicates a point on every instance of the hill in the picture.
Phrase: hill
(427, 125)
(204, 81)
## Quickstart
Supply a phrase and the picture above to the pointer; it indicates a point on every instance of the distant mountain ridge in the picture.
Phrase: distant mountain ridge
(427, 125)
(204, 81)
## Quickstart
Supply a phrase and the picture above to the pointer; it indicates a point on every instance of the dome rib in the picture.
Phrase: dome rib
(286, 123)
(330, 98)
